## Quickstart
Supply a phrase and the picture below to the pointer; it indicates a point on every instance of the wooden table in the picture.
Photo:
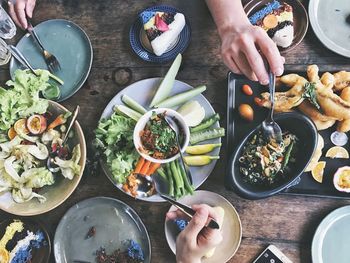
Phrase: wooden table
(288, 222)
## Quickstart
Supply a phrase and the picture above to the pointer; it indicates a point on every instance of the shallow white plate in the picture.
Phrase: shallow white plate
(143, 92)
(332, 238)
(328, 20)
(231, 228)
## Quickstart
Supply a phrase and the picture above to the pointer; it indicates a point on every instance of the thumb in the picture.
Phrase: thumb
(197, 223)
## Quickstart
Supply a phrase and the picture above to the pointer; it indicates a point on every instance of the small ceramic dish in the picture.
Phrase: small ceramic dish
(40, 254)
(305, 131)
(231, 228)
(300, 18)
(142, 47)
(55, 194)
(140, 125)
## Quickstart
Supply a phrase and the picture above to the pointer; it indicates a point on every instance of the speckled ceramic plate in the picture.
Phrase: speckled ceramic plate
(231, 228)
(142, 47)
(39, 255)
(69, 43)
(55, 194)
(332, 238)
(330, 21)
(114, 221)
(143, 92)
(300, 18)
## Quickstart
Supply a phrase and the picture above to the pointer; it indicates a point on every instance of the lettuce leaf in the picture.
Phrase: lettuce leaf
(114, 139)
(70, 168)
(22, 99)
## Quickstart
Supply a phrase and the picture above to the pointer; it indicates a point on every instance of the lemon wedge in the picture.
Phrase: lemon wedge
(337, 152)
(318, 170)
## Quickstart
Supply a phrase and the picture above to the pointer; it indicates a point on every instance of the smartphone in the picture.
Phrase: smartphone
(272, 255)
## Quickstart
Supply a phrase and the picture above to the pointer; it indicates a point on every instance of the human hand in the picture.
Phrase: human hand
(239, 50)
(20, 11)
(196, 239)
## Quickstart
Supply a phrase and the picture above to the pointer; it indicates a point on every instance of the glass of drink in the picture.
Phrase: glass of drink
(7, 27)
(5, 54)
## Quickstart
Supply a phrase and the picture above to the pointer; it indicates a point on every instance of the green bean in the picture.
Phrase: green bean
(170, 179)
(287, 156)
(188, 186)
(177, 179)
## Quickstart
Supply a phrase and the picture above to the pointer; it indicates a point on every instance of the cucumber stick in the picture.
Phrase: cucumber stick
(133, 104)
(181, 97)
(197, 137)
(206, 123)
(167, 83)
(126, 111)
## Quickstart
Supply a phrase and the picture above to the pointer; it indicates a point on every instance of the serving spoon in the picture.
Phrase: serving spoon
(270, 129)
(51, 160)
(172, 124)
(146, 185)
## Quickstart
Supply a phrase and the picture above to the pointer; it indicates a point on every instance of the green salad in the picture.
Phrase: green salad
(114, 138)
(266, 162)
(28, 133)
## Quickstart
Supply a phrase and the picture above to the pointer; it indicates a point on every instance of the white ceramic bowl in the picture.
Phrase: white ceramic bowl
(140, 125)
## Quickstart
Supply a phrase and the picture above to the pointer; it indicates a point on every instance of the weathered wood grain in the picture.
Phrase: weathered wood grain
(286, 221)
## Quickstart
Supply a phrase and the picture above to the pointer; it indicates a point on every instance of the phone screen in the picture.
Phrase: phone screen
(268, 257)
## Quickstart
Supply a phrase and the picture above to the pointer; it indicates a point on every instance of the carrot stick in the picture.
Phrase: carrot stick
(153, 167)
(57, 122)
(145, 167)
(139, 164)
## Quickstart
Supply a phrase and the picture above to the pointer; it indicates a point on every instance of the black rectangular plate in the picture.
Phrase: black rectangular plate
(237, 128)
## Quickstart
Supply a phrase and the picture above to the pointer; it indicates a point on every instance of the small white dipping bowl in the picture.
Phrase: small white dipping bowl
(140, 125)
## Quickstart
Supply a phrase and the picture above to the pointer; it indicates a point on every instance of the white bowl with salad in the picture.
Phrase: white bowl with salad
(31, 129)
(155, 141)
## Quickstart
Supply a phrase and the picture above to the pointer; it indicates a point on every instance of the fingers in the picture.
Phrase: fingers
(256, 63)
(245, 68)
(30, 5)
(197, 223)
(230, 63)
(270, 51)
(20, 13)
(13, 14)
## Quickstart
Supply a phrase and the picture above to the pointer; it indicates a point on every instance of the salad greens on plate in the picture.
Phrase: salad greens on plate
(28, 134)
(114, 137)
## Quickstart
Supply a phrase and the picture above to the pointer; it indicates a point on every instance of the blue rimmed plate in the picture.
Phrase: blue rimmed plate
(69, 43)
(140, 43)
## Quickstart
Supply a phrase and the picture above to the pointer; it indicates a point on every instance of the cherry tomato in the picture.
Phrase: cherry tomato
(247, 90)
(258, 101)
(246, 112)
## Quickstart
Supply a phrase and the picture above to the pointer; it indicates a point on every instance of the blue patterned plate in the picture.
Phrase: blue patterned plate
(141, 46)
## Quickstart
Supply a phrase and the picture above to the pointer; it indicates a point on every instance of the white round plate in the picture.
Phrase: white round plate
(231, 228)
(143, 91)
(332, 238)
(328, 20)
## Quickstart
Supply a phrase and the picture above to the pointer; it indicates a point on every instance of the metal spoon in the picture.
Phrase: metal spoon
(270, 128)
(172, 124)
(51, 160)
(146, 185)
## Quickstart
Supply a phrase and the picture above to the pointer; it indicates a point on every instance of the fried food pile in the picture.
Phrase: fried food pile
(325, 99)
